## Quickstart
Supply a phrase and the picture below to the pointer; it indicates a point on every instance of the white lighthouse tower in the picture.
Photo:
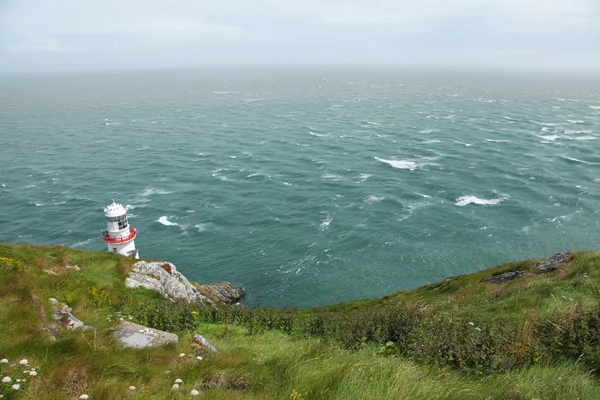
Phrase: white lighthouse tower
(119, 235)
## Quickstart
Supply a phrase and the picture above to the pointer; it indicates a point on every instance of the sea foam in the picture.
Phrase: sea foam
(400, 164)
(469, 199)
(164, 221)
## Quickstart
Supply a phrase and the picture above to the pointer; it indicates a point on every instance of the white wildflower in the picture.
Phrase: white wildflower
(33, 373)
(131, 387)
(4, 361)
(194, 392)
(24, 362)
(6, 379)
(478, 329)
(472, 324)
(16, 386)
(178, 380)
(198, 358)
(84, 396)
(18, 380)
(175, 387)
(167, 372)
(181, 355)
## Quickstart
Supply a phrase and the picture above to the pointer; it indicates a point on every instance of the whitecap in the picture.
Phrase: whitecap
(576, 121)
(432, 141)
(594, 107)
(400, 164)
(332, 177)
(164, 221)
(496, 140)
(424, 195)
(465, 144)
(201, 227)
(576, 132)
(325, 223)
(364, 177)
(550, 137)
(151, 191)
(79, 244)
(288, 184)
(317, 134)
(469, 199)
(427, 131)
(372, 199)
(578, 160)
(585, 138)
(373, 123)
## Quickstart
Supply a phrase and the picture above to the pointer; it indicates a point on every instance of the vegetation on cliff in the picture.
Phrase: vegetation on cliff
(463, 338)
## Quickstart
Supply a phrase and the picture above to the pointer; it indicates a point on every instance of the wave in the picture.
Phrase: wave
(373, 199)
(373, 123)
(364, 177)
(79, 244)
(164, 221)
(325, 223)
(594, 107)
(469, 199)
(333, 177)
(151, 191)
(108, 123)
(575, 121)
(585, 138)
(424, 195)
(550, 137)
(401, 164)
(576, 160)
(465, 144)
(202, 227)
(497, 140)
(432, 141)
(318, 134)
(224, 92)
(574, 132)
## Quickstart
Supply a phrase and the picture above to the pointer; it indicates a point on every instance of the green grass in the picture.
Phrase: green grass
(578, 282)
(268, 363)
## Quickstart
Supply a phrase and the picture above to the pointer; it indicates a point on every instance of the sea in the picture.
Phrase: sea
(307, 186)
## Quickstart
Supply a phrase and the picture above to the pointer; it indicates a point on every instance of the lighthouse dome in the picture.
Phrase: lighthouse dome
(114, 210)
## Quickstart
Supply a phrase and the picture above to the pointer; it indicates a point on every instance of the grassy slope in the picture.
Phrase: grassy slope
(543, 294)
(266, 365)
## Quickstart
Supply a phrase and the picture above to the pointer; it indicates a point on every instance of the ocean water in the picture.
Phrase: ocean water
(307, 186)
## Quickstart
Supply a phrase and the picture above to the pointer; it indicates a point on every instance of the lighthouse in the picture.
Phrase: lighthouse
(119, 235)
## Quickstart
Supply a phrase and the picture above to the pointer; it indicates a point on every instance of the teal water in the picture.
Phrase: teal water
(307, 186)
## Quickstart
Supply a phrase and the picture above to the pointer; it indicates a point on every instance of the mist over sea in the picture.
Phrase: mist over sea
(307, 186)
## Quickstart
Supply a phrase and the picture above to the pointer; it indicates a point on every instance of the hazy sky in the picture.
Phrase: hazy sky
(57, 35)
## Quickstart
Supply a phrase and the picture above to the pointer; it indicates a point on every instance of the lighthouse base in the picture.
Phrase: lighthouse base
(127, 249)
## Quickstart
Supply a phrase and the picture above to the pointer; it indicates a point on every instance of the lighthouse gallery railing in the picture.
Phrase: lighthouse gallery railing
(110, 240)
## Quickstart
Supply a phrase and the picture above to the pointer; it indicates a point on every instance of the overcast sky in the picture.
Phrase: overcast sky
(70, 35)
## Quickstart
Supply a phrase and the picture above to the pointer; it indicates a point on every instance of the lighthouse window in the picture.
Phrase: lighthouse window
(123, 223)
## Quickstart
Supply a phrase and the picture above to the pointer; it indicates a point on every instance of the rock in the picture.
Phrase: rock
(203, 342)
(64, 319)
(139, 336)
(553, 263)
(164, 278)
(505, 277)
(222, 292)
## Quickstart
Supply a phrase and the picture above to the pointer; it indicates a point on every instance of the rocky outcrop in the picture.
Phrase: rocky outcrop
(223, 292)
(553, 263)
(505, 277)
(138, 336)
(203, 342)
(164, 278)
(63, 319)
